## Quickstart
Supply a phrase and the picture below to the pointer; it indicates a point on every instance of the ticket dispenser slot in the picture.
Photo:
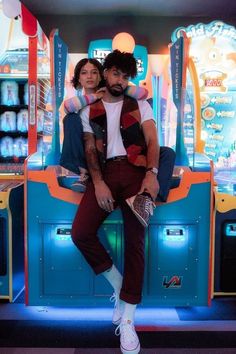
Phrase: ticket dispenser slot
(63, 234)
(174, 234)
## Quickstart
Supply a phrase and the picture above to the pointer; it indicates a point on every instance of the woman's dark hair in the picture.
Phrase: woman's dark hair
(79, 66)
(122, 61)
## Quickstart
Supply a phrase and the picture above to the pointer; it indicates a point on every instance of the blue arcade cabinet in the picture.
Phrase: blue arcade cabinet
(177, 249)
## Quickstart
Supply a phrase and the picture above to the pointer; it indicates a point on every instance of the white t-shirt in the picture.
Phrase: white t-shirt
(115, 146)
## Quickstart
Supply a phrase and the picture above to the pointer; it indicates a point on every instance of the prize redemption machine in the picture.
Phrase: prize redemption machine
(15, 110)
(13, 151)
(213, 50)
(177, 230)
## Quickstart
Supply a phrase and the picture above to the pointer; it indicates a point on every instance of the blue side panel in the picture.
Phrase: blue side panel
(58, 273)
(4, 267)
(178, 250)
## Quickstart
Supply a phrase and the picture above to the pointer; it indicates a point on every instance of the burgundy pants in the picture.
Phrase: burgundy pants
(124, 180)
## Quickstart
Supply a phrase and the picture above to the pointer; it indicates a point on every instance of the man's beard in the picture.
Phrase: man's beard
(115, 92)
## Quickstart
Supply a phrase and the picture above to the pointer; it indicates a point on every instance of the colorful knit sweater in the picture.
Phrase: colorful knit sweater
(76, 103)
(130, 129)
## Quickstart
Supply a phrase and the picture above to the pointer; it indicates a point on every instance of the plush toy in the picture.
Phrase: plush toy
(22, 120)
(20, 147)
(6, 146)
(8, 121)
(9, 93)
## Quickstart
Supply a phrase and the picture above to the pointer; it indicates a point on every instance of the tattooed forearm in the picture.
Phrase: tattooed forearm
(92, 158)
(93, 164)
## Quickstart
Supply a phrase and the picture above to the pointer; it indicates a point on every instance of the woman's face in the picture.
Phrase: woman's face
(89, 77)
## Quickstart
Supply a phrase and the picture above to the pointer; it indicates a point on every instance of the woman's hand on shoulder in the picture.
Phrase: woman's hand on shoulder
(99, 93)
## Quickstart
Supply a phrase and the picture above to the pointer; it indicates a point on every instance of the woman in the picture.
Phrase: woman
(88, 80)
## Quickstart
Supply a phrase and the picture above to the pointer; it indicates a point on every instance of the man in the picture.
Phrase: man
(122, 155)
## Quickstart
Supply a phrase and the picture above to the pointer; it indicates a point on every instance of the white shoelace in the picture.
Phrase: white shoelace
(149, 206)
(114, 299)
(128, 328)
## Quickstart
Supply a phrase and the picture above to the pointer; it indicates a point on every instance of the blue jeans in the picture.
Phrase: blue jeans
(72, 155)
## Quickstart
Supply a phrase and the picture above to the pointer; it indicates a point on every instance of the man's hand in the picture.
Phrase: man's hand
(150, 184)
(104, 196)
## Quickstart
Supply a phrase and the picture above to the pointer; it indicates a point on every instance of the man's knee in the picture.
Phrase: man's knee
(167, 154)
(78, 236)
(73, 121)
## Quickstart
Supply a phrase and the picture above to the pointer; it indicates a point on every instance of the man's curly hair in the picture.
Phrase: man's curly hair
(122, 61)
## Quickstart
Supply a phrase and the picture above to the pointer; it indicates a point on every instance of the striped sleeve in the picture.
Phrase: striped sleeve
(76, 103)
(137, 92)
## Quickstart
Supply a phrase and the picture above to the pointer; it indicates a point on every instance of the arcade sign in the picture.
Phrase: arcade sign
(213, 29)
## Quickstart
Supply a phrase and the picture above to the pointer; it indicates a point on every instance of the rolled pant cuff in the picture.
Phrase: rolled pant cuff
(102, 267)
(130, 299)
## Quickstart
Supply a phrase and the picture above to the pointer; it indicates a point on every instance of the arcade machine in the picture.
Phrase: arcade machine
(15, 119)
(213, 50)
(57, 274)
(13, 150)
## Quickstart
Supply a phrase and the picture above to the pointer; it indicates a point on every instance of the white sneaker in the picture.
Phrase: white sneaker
(129, 342)
(116, 316)
(81, 184)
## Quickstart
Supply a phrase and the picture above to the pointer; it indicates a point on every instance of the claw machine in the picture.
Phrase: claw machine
(15, 118)
(13, 151)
